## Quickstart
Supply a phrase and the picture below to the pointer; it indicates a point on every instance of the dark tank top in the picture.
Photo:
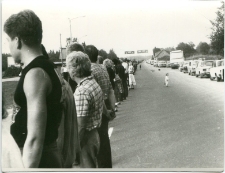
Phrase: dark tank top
(54, 107)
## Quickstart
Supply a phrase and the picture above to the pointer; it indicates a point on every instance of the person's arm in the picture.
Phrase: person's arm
(82, 102)
(112, 99)
(37, 86)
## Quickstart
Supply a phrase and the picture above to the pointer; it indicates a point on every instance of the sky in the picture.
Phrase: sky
(121, 25)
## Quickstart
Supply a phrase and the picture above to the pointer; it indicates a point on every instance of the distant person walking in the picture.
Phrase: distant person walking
(140, 66)
(166, 80)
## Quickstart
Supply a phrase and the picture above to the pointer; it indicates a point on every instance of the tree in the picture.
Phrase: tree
(111, 54)
(187, 48)
(102, 53)
(84, 44)
(156, 50)
(54, 56)
(5, 61)
(203, 48)
(217, 35)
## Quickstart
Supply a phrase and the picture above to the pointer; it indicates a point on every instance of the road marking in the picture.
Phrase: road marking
(110, 131)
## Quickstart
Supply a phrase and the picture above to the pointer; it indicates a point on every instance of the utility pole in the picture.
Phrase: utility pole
(70, 26)
(61, 50)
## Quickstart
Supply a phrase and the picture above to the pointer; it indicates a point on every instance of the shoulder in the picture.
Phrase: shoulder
(36, 78)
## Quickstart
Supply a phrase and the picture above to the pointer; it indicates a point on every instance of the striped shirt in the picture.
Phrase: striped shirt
(89, 103)
(101, 76)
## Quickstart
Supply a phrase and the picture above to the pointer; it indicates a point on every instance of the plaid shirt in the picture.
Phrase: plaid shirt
(89, 103)
(101, 76)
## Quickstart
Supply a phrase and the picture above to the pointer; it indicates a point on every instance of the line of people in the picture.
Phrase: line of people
(58, 123)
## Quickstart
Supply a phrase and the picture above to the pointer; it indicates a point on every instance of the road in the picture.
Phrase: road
(180, 126)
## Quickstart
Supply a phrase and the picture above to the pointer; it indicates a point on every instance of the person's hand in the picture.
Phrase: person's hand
(110, 115)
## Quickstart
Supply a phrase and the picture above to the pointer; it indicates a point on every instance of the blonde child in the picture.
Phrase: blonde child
(167, 79)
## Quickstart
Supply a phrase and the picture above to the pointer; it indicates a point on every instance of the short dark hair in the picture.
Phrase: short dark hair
(74, 47)
(4, 111)
(26, 26)
(92, 53)
(44, 52)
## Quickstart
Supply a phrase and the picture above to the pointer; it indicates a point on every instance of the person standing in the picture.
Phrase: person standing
(140, 66)
(121, 72)
(102, 78)
(125, 65)
(37, 109)
(70, 48)
(11, 155)
(89, 106)
(132, 81)
(167, 79)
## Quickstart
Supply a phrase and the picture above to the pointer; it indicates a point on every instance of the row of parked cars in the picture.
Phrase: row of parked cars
(214, 69)
(164, 64)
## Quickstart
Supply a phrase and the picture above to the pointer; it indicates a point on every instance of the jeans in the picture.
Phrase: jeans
(104, 156)
(90, 144)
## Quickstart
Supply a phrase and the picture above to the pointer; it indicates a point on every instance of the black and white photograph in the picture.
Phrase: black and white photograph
(112, 85)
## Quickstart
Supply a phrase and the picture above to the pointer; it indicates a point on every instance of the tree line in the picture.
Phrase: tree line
(216, 46)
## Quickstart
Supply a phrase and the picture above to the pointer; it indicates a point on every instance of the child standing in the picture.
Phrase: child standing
(167, 79)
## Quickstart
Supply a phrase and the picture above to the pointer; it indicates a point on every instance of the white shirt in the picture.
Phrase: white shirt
(167, 78)
(125, 65)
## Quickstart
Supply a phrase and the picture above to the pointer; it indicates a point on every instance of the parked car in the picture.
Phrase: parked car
(185, 66)
(192, 67)
(168, 64)
(217, 70)
(181, 66)
(174, 65)
(161, 63)
(203, 68)
(155, 64)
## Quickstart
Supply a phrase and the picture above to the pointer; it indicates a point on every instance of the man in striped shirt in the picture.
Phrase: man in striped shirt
(89, 106)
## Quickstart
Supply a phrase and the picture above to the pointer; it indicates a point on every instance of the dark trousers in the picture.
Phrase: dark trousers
(50, 157)
(125, 87)
(104, 155)
(90, 144)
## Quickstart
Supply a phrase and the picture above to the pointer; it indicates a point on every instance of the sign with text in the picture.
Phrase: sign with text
(129, 52)
(142, 51)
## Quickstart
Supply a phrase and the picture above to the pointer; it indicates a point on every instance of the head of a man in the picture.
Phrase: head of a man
(92, 53)
(74, 47)
(78, 65)
(23, 29)
(100, 59)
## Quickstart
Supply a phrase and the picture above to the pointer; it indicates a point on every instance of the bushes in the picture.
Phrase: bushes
(4, 61)
(12, 72)
(206, 57)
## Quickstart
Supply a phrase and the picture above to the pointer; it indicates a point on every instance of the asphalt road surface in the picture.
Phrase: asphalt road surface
(180, 126)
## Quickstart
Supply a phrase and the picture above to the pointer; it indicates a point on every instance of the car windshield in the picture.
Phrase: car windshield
(220, 63)
(209, 63)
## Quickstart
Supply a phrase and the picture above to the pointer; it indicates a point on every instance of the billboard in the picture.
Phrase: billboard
(129, 52)
(142, 51)
(176, 56)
